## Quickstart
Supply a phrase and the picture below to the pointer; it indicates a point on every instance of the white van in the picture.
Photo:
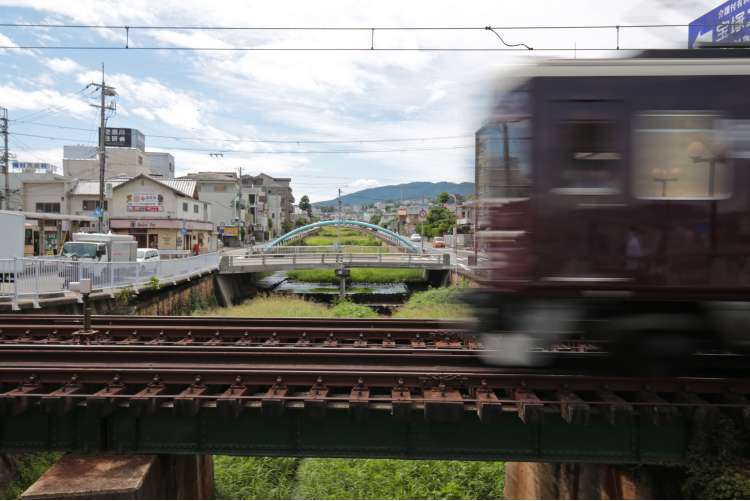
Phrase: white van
(145, 255)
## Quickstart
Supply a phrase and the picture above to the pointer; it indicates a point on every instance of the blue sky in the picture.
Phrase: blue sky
(328, 96)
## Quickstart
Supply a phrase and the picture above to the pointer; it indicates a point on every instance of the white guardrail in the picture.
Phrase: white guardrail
(32, 277)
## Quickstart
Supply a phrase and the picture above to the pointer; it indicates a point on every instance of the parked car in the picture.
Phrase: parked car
(145, 254)
(438, 242)
(149, 261)
(415, 237)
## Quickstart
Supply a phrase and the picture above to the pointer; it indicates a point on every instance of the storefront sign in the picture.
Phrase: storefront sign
(231, 231)
(145, 201)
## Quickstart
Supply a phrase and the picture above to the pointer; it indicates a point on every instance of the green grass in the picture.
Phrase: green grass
(395, 479)
(344, 240)
(365, 275)
(435, 303)
(343, 232)
(272, 306)
(347, 309)
(29, 467)
(254, 478)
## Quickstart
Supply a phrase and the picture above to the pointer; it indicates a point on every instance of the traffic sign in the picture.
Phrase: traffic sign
(729, 22)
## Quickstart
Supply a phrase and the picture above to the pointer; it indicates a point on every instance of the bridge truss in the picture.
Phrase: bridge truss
(382, 233)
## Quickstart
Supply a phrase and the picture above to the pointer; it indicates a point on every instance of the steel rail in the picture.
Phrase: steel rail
(427, 324)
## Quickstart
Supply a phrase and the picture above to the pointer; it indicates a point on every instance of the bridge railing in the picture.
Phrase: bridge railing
(394, 259)
(33, 277)
(326, 249)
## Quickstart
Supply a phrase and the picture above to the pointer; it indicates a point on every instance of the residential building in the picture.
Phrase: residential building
(126, 156)
(83, 197)
(164, 214)
(45, 193)
(256, 221)
(15, 186)
(221, 189)
(160, 164)
(274, 186)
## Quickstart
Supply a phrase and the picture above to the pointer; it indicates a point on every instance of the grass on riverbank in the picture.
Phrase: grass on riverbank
(364, 275)
(444, 302)
(288, 306)
(286, 478)
(359, 240)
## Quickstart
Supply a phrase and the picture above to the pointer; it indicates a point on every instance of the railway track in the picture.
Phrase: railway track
(235, 365)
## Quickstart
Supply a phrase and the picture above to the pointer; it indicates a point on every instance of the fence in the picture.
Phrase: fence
(33, 277)
(262, 261)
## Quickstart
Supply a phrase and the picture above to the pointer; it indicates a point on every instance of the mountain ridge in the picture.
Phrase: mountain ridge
(406, 191)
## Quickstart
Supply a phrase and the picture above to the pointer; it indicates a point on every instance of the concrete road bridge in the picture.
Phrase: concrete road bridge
(253, 263)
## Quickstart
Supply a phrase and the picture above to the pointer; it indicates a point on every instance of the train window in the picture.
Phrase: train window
(504, 159)
(590, 163)
(678, 155)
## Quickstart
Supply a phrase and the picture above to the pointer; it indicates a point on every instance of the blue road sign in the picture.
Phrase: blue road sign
(729, 22)
(183, 232)
(98, 212)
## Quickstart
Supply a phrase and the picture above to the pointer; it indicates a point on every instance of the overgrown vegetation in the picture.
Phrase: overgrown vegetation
(444, 302)
(271, 306)
(124, 295)
(29, 467)
(254, 478)
(348, 309)
(284, 478)
(153, 283)
(365, 275)
(394, 479)
(289, 306)
(717, 467)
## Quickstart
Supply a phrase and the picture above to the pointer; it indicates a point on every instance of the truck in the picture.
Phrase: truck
(87, 255)
(101, 247)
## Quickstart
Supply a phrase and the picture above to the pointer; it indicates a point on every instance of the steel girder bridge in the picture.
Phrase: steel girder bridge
(383, 233)
(333, 388)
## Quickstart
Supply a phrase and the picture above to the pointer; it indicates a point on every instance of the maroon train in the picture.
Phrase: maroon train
(614, 200)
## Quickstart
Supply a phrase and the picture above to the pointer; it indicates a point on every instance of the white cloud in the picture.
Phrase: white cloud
(34, 100)
(154, 100)
(363, 184)
(62, 65)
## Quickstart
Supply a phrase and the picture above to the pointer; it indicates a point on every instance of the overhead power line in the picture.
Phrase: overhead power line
(365, 47)
(289, 152)
(270, 141)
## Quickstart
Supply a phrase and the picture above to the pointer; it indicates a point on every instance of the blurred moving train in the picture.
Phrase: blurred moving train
(614, 203)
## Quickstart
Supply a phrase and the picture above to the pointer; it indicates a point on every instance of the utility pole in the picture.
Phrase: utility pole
(104, 91)
(6, 170)
(338, 239)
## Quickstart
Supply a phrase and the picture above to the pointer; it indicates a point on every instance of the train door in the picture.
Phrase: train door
(583, 187)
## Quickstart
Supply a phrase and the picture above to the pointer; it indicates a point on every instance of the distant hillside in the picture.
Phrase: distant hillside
(396, 192)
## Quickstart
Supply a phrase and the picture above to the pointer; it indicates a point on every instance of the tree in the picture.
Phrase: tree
(375, 219)
(304, 204)
(443, 198)
(439, 221)
(300, 222)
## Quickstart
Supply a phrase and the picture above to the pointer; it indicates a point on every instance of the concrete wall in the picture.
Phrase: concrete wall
(590, 481)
